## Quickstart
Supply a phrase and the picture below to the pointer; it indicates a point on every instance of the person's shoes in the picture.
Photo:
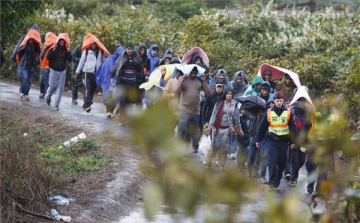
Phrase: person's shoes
(217, 163)
(41, 95)
(195, 150)
(108, 114)
(56, 108)
(88, 109)
(263, 180)
(21, 96)
(310, 188)
(26, 98)
(287, 177)
(74, 102)
(205, 162)
(221, 168)
(293, 184)
(47, 102)
(233, 156)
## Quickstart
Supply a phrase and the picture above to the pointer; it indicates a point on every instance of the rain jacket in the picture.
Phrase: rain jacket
(103, 77)
(153, 60)
(226, 83)
(59, 55)
(254, 90)
(239, 88)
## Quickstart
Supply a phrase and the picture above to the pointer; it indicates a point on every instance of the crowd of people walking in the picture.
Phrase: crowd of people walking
(265, 125)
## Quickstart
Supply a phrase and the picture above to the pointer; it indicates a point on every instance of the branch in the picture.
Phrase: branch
(34, 214)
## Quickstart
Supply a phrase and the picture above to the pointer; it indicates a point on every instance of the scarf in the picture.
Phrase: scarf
(218, 116)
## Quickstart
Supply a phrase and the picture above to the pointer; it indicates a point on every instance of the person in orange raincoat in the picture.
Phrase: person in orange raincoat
(27, 53)
(58, 55)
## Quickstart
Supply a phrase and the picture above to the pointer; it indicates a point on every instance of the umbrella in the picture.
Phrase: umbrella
(186, 69)
(189, 54)
(156, 76)
(301, 92)
(278, 72)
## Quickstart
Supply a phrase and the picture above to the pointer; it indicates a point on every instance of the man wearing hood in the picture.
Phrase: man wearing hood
(153, 58)
(287, 87)
(189, 87)
(197, 59)
(76, 55)
(144, 57)
(267, 74)
(275, 124)
(238, 84)
(89, 63)
(210, 102)
(57, 62)
(253, 151)
(28, 61)
(221, 75)
(255, 87)
(129, 70)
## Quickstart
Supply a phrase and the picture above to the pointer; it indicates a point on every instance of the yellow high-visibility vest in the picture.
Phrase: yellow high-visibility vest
(279, 124)
(318, 131)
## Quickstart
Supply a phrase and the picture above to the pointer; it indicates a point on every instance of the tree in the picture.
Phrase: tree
(14, 14)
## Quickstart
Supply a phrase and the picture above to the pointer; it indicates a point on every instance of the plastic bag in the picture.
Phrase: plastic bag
(205, 146)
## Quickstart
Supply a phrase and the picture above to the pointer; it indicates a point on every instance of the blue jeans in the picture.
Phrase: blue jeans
(232, 145)
(263, 158)
(252, 155)
(28, 74)
(188, 126)
(46, 74)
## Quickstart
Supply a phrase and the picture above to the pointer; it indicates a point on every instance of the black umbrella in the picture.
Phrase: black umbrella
(252, 103)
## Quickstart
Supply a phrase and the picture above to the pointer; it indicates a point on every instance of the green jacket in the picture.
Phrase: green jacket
(76, 55)
(254, 90)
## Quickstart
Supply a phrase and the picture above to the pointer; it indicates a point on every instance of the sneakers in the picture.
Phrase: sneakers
(232, 156)
(195, 150)
(47, 102)
(217, 163)
(293, 184)
(108, 114)
(56, 108)
(205, 162)
(21, 96)
(263, 180)
(41, 95)
(74, 102)
(287, 177)
(88, 109)
(26, 98)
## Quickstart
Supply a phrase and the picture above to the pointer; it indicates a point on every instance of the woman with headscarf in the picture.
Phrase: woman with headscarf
(225, 117)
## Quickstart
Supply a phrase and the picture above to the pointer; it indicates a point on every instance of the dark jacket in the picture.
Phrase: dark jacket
(244, 139)
(208, 107)
(121, 64)
(28, 55)
(255, 120)
(58, 57)
(144, 59)
(76, 55)
(264, 125)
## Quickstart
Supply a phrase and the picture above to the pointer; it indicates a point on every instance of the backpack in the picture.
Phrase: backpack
(298, 121)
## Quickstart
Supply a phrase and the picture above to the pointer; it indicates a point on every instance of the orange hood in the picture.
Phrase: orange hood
(63, 36)
(50, 40)
(89, 39)
(31, 34)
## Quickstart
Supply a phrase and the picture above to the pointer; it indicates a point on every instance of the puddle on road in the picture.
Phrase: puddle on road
(247, 214)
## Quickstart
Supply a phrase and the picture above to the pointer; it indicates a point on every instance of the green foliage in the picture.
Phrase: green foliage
(77, 158)
(185, 9)
(14, 16)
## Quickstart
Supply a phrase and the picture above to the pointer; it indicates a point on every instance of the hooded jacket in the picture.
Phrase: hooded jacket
(58, 57)
(208, 107)
(226, 81)
(120, 66)
(254, 90)
(195, 57)
(76, 55)
(239, 88)
(153, 60)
